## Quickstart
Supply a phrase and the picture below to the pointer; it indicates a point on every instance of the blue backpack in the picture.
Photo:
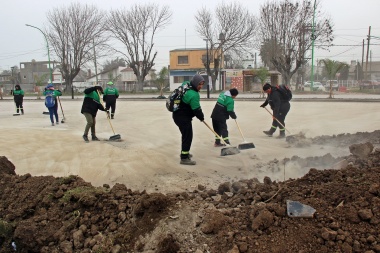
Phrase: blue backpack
(50, 99)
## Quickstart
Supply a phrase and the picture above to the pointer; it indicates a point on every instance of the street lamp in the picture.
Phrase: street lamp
(207, 68)
(47, 47)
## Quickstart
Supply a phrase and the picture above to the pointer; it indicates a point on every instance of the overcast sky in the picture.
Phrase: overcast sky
(19, 43)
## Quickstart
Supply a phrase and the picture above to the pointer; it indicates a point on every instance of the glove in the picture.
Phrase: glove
(262, 105)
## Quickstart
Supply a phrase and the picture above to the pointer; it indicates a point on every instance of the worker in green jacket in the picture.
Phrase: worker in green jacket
(18, 97)
(223, 110)
(110, 95)
(189, 107)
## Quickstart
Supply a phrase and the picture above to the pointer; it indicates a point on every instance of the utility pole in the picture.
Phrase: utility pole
(312, 48)
(96, 70)
(207, 68)
(368, 41)
(13, 80)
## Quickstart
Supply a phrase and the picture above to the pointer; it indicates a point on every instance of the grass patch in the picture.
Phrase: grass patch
(81, 193)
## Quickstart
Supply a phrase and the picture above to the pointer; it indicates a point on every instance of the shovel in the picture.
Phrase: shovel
(114, 137)
(225, 151)
(60, 105)
(277, 120)
(245, 144)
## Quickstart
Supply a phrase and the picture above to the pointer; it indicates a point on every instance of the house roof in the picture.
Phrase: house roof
(188, 49)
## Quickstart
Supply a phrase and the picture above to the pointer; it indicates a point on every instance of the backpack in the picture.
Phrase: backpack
(285, 92)
(175, 98)
(49, 99)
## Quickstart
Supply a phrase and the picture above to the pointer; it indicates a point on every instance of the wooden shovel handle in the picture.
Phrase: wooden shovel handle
(276, 119)
(212, 130)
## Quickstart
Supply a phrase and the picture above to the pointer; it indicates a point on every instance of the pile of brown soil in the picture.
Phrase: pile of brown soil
(47, 214)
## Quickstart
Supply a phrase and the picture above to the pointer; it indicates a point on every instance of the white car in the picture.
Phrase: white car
(307, 84)
(317, 86)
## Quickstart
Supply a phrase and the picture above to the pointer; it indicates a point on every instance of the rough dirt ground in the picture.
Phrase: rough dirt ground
(42, 213)
(47, 214)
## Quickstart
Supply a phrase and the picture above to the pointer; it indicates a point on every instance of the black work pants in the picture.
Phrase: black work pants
(186, 128)
(112, 106)
(220, 127)
(19, 106)
(284, 109)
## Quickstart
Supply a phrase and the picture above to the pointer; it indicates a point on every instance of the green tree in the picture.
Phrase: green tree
(40, 81)
(332, 67)
(262, 75)
(162, 79)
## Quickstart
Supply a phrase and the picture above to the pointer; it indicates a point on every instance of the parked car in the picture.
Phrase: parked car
(369, 84)
(334, 85)
(317, 86)
(307, 84)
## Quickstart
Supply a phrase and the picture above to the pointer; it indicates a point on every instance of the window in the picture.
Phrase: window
(181, 79)
(183, 59)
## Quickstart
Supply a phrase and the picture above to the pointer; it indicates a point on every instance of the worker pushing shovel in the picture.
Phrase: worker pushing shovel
(278, 98)
(90, 107)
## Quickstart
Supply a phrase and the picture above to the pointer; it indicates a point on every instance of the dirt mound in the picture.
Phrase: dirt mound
(47, 214)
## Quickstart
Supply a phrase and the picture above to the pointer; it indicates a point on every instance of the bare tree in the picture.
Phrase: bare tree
(136, 29)
(287, 33)
(73, 32)
(234, 27)
(111, 64)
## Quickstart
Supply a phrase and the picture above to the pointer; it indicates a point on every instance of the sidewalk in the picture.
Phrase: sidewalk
(338, 96)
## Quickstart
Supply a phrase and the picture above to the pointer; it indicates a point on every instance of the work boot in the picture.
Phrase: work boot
(282, 134)
(187, 161)
(94, 138)
(190, 155)
(219, 145)
(52, 124)
(112, 115)
(85, 138)
(270, 132)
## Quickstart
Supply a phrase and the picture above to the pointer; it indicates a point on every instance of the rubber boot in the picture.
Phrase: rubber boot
(112, 115)
(282, 134)
(94, 138)
(270, 132)
(218, 144)
(187, 161)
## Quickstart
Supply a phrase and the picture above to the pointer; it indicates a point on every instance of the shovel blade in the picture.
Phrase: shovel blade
(115, 137)
(247, 145)
(229, 151)
(16, 114)
(46, 113)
